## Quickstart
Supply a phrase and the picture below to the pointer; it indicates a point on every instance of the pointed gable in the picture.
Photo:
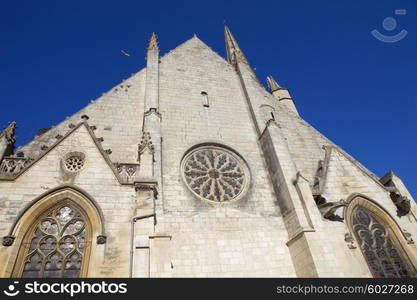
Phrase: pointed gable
(80, 141)
(115, 116)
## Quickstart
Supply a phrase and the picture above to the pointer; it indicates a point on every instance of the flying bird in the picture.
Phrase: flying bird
(125, 53)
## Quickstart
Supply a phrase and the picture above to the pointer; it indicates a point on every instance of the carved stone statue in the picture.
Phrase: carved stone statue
(9, 132)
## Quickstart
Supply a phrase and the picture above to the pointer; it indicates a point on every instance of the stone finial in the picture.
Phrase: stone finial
(85, 117)
(272, 84)
(153, 42)
(9, 132)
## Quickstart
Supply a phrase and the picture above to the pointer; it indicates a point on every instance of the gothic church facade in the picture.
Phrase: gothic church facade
(191, 168)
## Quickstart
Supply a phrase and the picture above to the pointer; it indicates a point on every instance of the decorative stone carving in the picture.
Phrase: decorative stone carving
(319, 199)
(13, 165)
(9, 133)
(100, 139)
(101, 239)
(127, 171)
(146, 143)
(85, 117)
(147, 186)
(73, 162)
(215, 174)
(94, 127)
(58, 136)
(408, 236)
(71, 125)
(402, 203)
(44, 147)
(319, 178)
(152, 110)
(108, 151)
(8, 240)
(350, 241)
(42, 131)
(328, 209)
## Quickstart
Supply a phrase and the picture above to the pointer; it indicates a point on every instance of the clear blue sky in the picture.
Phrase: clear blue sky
(55, 56)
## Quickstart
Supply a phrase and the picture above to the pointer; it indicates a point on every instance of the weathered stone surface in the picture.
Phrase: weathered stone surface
(190, 98)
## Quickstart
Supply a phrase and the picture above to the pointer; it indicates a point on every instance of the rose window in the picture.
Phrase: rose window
(74, 162)
(215, 174)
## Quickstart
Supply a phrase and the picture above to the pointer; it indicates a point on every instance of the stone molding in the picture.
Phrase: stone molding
(147, 186)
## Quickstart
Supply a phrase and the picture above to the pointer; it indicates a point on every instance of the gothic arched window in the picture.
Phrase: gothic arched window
(378, 245)
(55, 244)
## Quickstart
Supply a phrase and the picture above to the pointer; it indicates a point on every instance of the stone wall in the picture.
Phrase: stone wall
(204, 100)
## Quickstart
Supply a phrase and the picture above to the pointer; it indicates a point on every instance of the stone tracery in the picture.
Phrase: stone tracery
(381, 254)
(57, 244)
(214, 174)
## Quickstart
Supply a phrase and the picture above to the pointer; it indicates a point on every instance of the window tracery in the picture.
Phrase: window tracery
(215, 174)
(57, 243)
(378, 248)
(74, 161)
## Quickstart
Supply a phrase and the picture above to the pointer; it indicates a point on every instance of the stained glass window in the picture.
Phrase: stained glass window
(57, 244)
(215, 174)
(376, 243)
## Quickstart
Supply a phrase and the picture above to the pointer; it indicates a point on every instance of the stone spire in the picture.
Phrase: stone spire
(149, 155)
(272, 84)
(152, 75)
(153, 42)
(234, 53)
(282, 94)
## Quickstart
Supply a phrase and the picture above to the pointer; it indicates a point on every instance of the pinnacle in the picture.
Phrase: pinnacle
(153, 42)
(272, 84)
(234, 53)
